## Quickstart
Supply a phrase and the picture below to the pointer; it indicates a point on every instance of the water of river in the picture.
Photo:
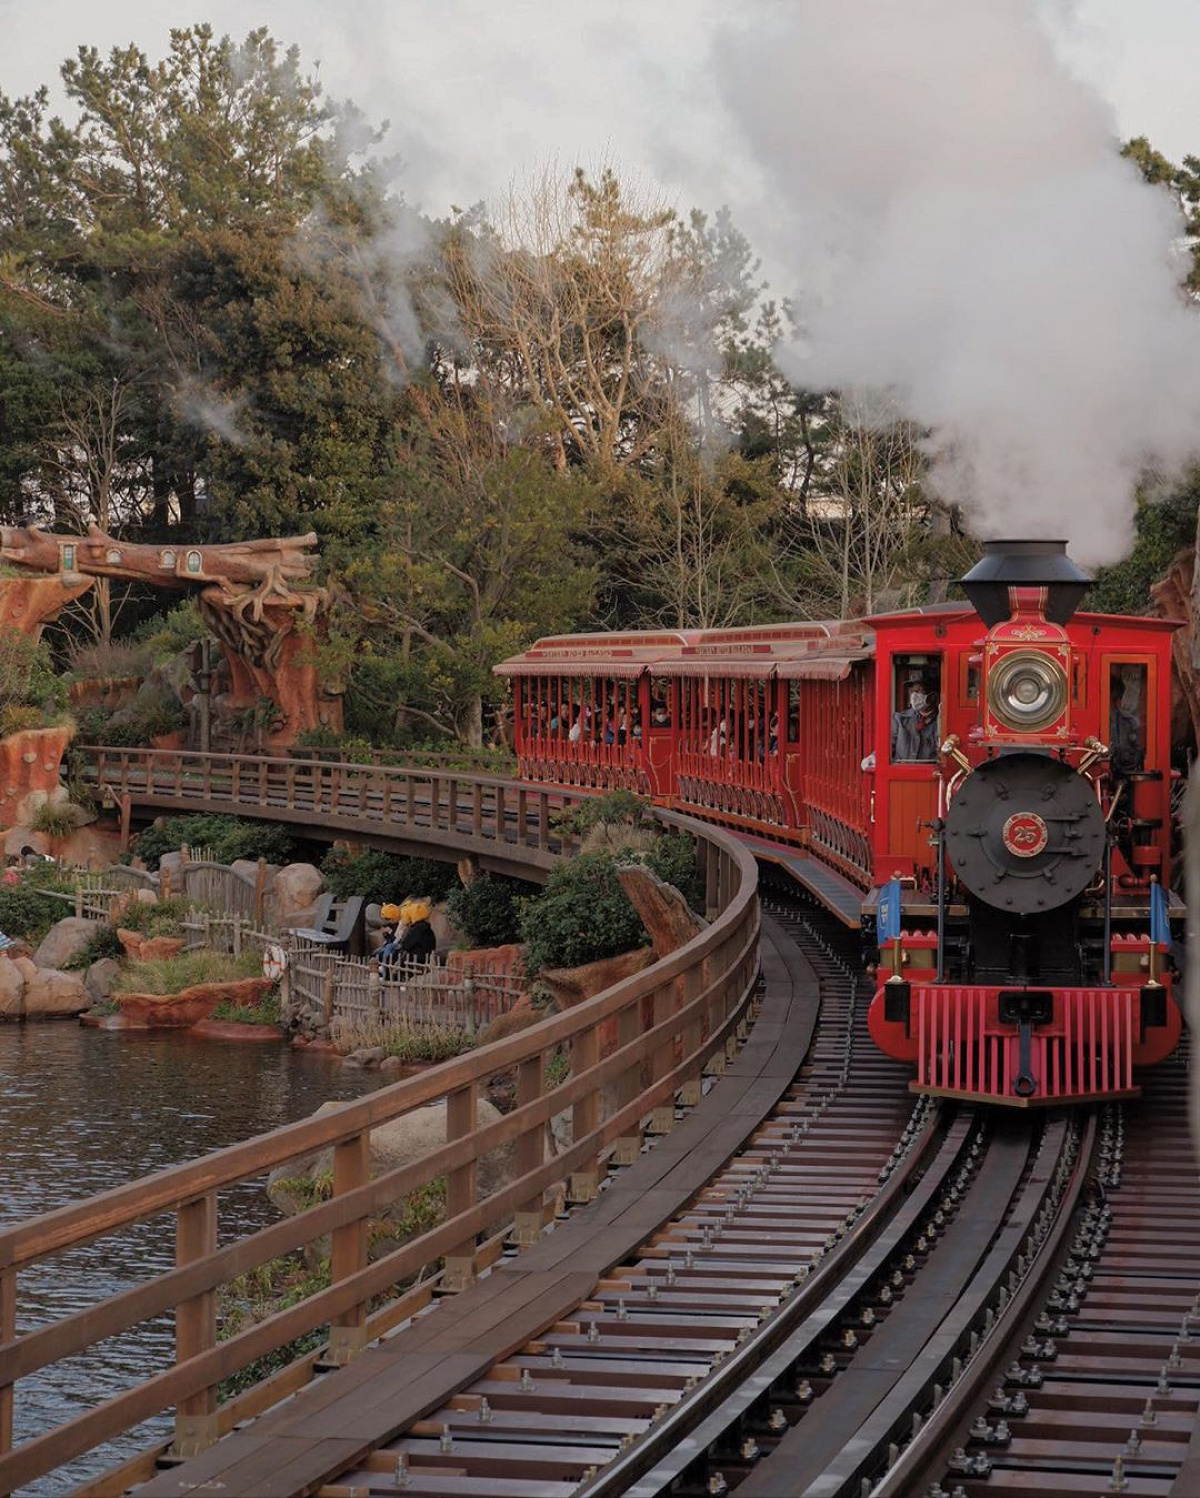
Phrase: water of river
(84, 1110)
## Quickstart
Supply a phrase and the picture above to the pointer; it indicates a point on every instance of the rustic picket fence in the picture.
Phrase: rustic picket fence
(228, 917)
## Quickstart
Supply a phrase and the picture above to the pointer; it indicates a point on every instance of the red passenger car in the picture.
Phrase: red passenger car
(997, 770)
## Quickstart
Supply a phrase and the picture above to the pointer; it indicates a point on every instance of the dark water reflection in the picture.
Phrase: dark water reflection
(82, 1111)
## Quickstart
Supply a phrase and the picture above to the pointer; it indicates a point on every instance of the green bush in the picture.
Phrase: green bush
(673, 859)
(29, 678)
(164, 636)
(386, 876)
(227, 837)
(618, 808)
(488, 910)
(27, 913)
(17, 717)
(582, 915)
(163, 918)
(102, 943)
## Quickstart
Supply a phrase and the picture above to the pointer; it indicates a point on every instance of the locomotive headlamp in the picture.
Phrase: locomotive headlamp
(1027, 690)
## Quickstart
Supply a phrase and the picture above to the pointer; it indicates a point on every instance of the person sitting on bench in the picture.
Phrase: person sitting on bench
(392, 931)
(417, 943)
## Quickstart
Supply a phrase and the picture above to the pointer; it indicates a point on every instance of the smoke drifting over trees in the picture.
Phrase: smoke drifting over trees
(969, 245)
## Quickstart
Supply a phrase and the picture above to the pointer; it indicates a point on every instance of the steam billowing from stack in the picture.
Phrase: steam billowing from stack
(973, 252)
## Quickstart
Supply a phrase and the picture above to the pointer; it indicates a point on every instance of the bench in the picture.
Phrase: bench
(339, 924)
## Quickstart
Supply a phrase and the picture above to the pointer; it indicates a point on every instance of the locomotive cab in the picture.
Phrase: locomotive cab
(1032, 960)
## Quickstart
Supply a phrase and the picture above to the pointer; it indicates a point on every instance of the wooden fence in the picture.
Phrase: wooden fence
(671, 1022)
(352, 995)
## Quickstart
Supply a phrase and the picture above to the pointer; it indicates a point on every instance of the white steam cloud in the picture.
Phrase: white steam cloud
(971, 248)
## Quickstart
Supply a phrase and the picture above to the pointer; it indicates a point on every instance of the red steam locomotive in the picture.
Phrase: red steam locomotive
(983, 787)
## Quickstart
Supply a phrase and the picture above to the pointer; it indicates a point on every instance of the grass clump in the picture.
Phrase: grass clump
(395, 1038)
(171, 975)
(265, 1013)
(52, 819)
(163, 918)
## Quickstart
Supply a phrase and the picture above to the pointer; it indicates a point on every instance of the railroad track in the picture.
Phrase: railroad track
(790, 1213)
(866, 1298)
(1096, 1389)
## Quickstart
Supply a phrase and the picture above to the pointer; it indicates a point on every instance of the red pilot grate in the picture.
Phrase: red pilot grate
(1085, 1049)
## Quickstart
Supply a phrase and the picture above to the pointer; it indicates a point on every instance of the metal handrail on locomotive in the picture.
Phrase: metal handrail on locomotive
(983, 787)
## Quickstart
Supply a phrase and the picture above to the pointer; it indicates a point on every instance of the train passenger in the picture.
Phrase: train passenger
(773, 735)
(716, 742)
(915, 730)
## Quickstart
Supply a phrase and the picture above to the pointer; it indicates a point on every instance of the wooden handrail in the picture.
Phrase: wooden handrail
(696, 997)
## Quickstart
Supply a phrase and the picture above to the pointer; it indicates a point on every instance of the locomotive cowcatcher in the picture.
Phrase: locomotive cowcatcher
(983, 787)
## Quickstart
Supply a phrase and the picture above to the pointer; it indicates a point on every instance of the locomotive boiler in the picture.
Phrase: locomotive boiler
(982, 787)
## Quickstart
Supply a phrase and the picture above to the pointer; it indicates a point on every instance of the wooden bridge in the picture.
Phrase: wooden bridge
(670, 1023)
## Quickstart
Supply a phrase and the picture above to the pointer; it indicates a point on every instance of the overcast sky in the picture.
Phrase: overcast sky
(480, 91)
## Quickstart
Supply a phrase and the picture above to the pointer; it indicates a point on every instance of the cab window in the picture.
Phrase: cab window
(916, 703)
(1127, 716)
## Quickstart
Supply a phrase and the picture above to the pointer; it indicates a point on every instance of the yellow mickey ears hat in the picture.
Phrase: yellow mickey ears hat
(414, 910)
(390, 912)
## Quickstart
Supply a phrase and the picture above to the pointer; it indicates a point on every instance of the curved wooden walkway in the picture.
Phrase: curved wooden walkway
(634, 1050)
(330, 1427)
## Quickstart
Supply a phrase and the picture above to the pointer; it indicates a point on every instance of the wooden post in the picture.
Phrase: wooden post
(530, 1151)
(668, 1000)
(585, 1052)
(629, 1026)
(237, 934)
(196, 1325)
(327, 992)
(374, 994)
(8, 1330)
(351, 1169)
(164, 885)
(260, 892)
(78, 901)
(693, 980)
(461, 1187)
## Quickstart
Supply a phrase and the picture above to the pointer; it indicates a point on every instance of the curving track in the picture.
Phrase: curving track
(819, 1169)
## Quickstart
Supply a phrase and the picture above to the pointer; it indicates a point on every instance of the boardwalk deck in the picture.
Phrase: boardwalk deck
(329, 1427)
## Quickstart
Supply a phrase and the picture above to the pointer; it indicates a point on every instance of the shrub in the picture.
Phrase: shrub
(618, 808)
(101, 659)
(163, 918)
(582, 915)
(673, 858)
(102, 943)
(164, 636)
(227, 837)
(488, 910)
(16, 717)
(170, 975)
(386, 876)
(28, 913)
(28, 676)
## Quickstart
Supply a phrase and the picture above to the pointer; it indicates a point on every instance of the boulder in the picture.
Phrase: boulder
(393, 1145)
(21, 840)
(101, 978)
(29, 767)
(520, 1017)
(153, 1011)
(294, 889)
(571, 985)
(148, 948)
(172, 864)
(50, 994)
(64, 940)
(12, 989)
(666, 915)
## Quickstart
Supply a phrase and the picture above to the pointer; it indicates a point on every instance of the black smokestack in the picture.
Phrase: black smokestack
(1025, 564)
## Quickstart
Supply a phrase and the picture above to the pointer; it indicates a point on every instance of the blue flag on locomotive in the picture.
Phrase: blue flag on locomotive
(1160, 925)
(889, 911)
